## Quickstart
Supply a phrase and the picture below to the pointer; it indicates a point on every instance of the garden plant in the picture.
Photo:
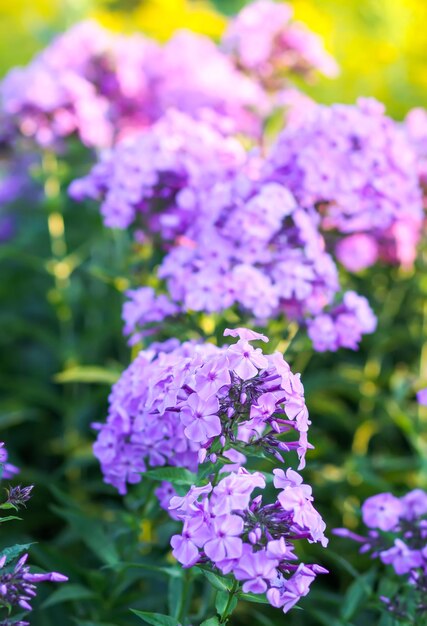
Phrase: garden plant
(214, 320)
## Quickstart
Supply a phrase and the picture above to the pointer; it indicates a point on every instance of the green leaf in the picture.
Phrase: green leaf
(357, 595)
(87, 374)
(92, 533)
(254, 597)
(67, 593)
(156, 619)
(219, 582)
(221, 601)
(212, 621)
(172, 572)
(13, 552)
(175, 596)
(224, 604)
(9, 518)
(174, 475)
(8, 505)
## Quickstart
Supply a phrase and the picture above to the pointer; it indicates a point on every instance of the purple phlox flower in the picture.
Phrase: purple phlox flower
(357, 252)
(382, 511)
(185, 504)
(200, 418)
(245, 360)
(18, 495)
(143, 305)
(245, 334)
(345, 532)
(402, 557)
(237, 461)
(288, 592)
(278, 549)
(8, 470)
(225, 542)
(256, 569)
(18, 584)
(233, 492)
(212, 376)
(185, 546)
(291, 478)
(327, 162)
(344, 325)
(264, 408)
(422, 396)
(265, 41)
(414, 503)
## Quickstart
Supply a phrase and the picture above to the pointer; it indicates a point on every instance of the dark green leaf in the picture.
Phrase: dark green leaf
(219, 582)
(13, 552)
(174, 475)
(156, 619)
(211, 621)
(67, 593)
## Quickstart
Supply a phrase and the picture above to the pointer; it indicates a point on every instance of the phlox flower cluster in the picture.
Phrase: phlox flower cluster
(18, 586)
(344, 325)
(172, 408)
(397, 535)
(102, 86)
(8, 470)
(158, 176)
(415, 125)
(356, 167)
(197, 404)
(236, 532)
(266, 42)
(233, 238)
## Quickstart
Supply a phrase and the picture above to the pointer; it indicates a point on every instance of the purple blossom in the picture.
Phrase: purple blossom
(200, 418)
(382, 511)
(266, 43)
(240, 534)
(422, 396)
(18, 584)
(402, 557)
(344, 325)
(256, 569)
(397, 535)
(170, 407)
(356, 167)
(8, 470)
(103, 87)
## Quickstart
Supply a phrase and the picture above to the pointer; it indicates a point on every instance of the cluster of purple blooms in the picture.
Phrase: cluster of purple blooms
(176, 400)
(415, 126)
(157, 176)
(268, 44)
(197, 403)
(17, 582)
(8, 470)
(18, 585)
(236, 532)
(102, 86)
(397, 535)
(356, 167)
(232, 237)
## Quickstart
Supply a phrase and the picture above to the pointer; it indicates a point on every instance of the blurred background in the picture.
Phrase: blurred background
(380, 44)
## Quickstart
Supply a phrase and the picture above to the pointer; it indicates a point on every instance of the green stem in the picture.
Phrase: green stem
(225, 614)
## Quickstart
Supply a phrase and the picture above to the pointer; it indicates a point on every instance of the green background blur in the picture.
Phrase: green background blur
(380, 44)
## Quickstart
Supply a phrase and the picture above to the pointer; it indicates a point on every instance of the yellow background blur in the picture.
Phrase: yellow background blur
(380, 44)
